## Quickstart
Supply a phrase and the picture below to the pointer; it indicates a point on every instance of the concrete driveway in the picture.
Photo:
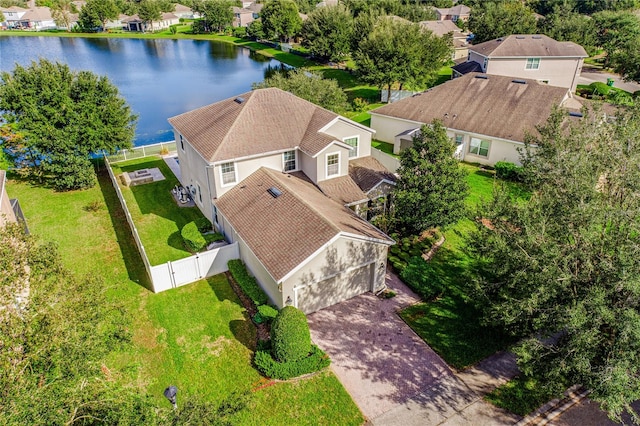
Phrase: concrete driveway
(377, 357)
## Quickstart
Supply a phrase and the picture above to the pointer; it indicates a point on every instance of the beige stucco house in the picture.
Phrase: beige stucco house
(443, 28)
(34, 18)
(530, 56)
(249, 12)
(486, 116)
(6, 209)
(290, 182)
(455, 13)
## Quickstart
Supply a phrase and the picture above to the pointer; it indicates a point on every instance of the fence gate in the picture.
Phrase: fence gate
(185, 271)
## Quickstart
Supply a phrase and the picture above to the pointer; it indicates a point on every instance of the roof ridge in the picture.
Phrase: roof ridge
(247, 101)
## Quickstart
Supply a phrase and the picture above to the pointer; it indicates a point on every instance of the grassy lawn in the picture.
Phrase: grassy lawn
(521, 396)
(156, 215)
(384, 147)
(196, 337)
(449, 324)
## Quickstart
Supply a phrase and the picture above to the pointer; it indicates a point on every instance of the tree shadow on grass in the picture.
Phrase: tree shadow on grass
(130, 254)
(244, 331)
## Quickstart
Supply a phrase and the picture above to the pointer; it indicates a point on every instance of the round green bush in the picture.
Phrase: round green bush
(193, 239)
(290, 336)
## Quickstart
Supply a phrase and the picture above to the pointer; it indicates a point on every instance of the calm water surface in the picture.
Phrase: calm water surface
(159, 78)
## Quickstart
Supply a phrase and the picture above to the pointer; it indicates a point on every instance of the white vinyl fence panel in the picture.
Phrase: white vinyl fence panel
(391, 163)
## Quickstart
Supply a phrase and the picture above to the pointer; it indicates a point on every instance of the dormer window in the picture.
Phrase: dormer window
(532, 64)
(333, 164)
(353, 143)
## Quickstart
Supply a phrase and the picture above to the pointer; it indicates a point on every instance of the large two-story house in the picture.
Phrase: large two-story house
(530, 56)
(286, 179)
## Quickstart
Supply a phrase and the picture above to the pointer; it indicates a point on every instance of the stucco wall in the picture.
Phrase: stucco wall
(499, 149)
(321, 161)
(309, 166)
(247, 167)
(561, 72)
(388, 127)
(6, 212)
(343, 129)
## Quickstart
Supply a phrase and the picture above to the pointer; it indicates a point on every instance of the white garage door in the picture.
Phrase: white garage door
(334, 290)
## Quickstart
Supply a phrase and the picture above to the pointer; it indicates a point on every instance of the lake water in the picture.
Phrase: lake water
(158, 78)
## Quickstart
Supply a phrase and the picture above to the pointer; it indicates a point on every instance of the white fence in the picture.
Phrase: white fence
(391, 163)
(179, 272)
(396, 95)
(143, 151)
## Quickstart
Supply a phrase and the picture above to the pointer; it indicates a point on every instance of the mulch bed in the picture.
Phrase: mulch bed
(263, 330)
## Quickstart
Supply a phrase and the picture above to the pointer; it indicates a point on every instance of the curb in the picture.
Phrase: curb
(555, 407)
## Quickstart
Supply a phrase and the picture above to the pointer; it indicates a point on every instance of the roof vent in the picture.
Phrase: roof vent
(575, 114)
(519, 81)
(499, 39)
(537, 37)
(482, 76)
(239, 100)
(275, 192)
(520, 37)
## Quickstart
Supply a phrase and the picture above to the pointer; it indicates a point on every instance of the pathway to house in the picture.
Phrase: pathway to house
(397, 379)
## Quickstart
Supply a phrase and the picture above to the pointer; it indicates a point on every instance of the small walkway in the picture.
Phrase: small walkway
(172, 162)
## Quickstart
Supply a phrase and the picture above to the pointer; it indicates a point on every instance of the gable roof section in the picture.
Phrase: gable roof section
(457, 10)
(343, 189)
(440, 28)
(490, 105)
(529, 45)
(285, 231)
(266, 120)
(367, 173)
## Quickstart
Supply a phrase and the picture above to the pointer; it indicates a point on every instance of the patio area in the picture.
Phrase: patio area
(154, 210)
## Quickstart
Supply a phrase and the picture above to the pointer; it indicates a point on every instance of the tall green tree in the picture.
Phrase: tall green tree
(490, 20)
(63, 117)
(280, 19)
(401, 53)
(149, 11)
(563, 24)
(312, 87)
(432, 187)
(96, 13)
(328, 32)
(62, 13)
(564, 264)
(618, 34)
(216, 14)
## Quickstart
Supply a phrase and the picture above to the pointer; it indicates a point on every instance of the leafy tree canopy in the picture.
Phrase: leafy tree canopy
(149, 11)
(327, 32)
(280, 19)
(216, 14)
(62, 116)
(490, 20)
(619, 34)
(397, 52)
(564, 264)
(312, 87)
(563, 24)
(96, 13)
(432, 187)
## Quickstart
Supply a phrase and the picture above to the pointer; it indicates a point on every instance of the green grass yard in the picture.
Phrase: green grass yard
(197, 336)
(156, 215)
(450, 324)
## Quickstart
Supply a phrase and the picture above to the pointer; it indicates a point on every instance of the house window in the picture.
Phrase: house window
(228, 171)
(181, 143)
(199, 192)
(333, 164)
(353, 143)
(459, 139)
(479, 147)
(289, 159)
(532, 64)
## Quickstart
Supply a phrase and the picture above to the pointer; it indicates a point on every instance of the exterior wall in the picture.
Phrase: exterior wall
(460, 52)
(343, 129)
(476, 57)
(308, 165)
(253, 265)
(499, 149)
(342, 255)
(561, 72)
(6, 212)
(321, 160)
(246, 168)
(194, 171)
(388, 127)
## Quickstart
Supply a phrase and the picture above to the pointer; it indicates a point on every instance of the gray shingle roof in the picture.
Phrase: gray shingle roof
(528, 45)
(494, 105)
(284, 231)
(266, 120)
(367, 172)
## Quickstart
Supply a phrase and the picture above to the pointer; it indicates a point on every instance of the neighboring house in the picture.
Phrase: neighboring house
(453, 13)
(285, 178)
(243, 16)
(487, 116)
(12, 16)
(6, 210)
(532, 56)
(134, 23)
(182, 11)
(442, 28)
(35, 18)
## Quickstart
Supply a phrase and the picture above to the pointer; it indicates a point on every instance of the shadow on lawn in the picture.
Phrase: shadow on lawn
(130, 254)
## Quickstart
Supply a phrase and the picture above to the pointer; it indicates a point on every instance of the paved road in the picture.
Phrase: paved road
(589, 75)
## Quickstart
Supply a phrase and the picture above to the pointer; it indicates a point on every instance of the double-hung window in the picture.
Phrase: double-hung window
(289, 159)
(228, 172)
(532, 64)
(353, 143)
(479, 147)
(333, 164)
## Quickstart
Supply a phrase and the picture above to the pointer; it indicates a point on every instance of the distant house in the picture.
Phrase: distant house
(6, 210)
(442, 28)
(454, 13)
(182, 11)
(537, 57)
(290, 182)
(243, 16)
(34, 18)
(134, 23)
(486, 116)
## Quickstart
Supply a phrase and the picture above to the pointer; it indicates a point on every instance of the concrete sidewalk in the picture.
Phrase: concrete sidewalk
(590, 75)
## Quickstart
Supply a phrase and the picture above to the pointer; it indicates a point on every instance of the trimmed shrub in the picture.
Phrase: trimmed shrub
(193, 239)
(203, 224)
(290, 336)
(240, 32)
(315, 361)
(508, 171)
(247, 283)
(269, 313)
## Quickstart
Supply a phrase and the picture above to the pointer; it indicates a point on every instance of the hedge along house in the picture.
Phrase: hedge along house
(272, 172)
(487, 116)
